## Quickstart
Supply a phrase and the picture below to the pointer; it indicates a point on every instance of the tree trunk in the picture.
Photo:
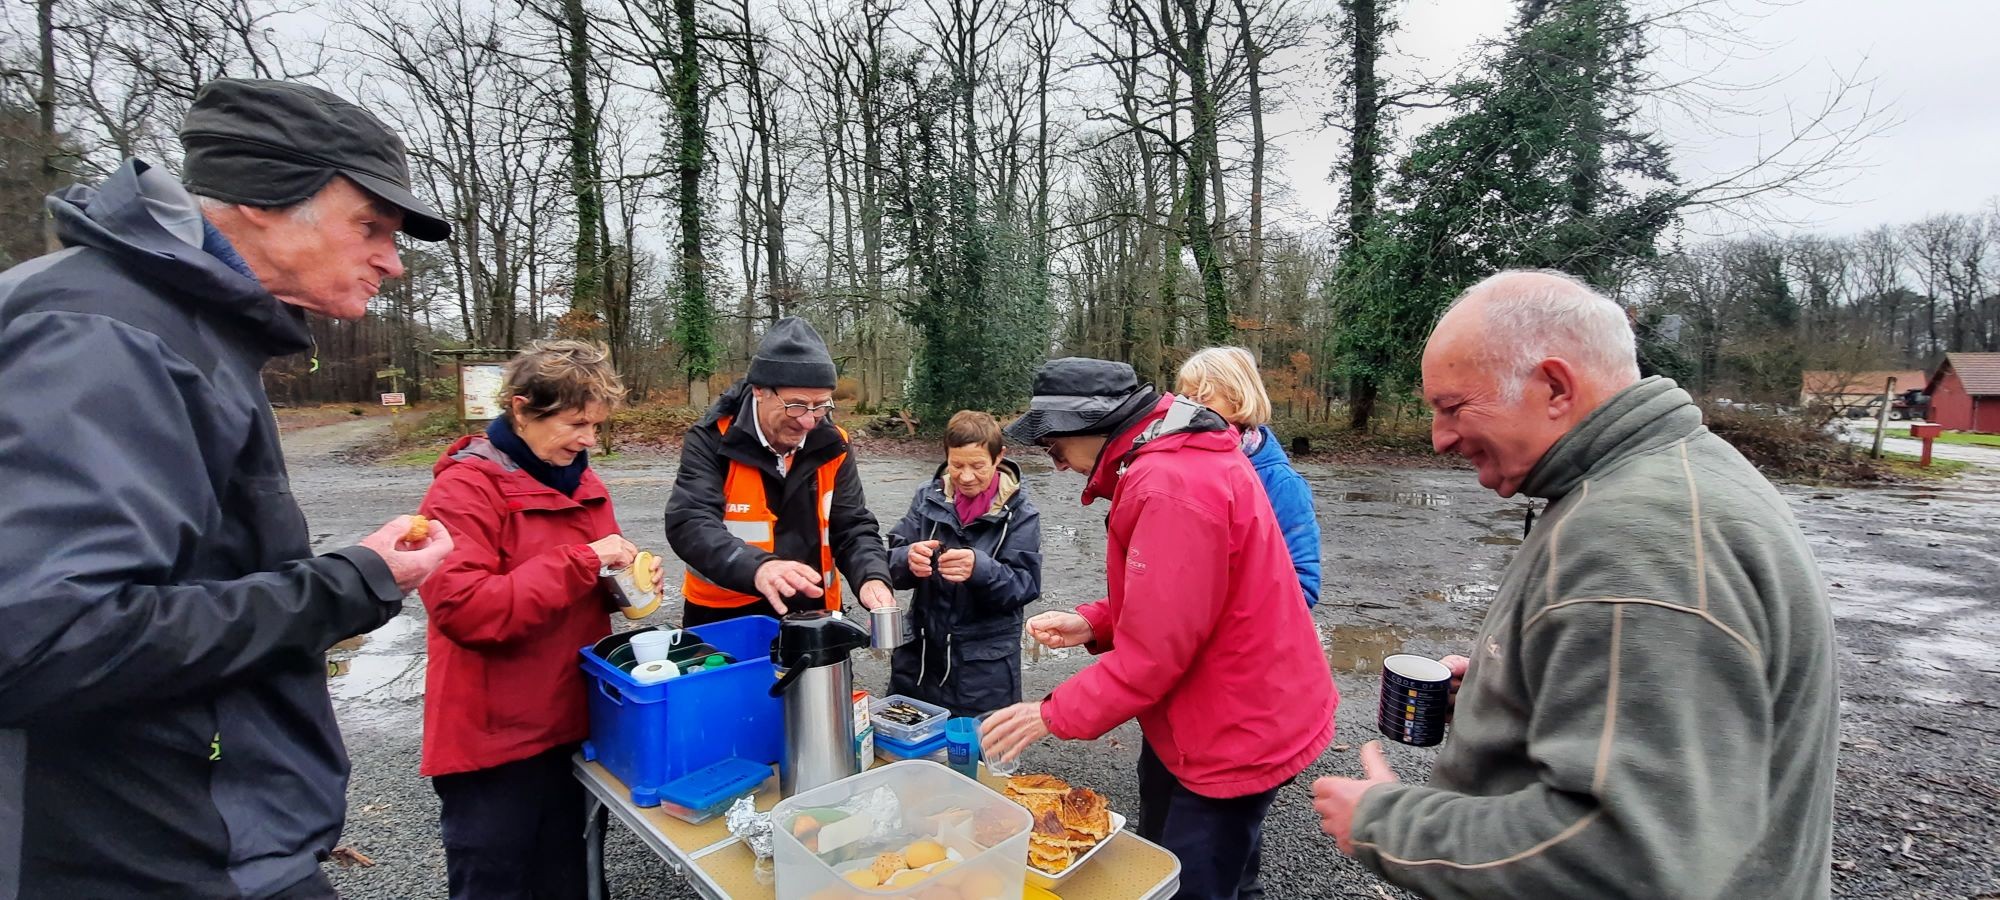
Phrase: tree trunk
(1361, 404)
(1252, 264)
(695, 320)
(1365, 149)
(587, 290)
(1201, 238)
(45, 102)
(870, 103)
(770, 210)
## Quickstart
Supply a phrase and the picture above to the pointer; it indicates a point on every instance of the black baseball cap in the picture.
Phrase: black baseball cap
(276, 143)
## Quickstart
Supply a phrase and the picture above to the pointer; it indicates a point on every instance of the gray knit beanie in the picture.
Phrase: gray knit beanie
(792, 355)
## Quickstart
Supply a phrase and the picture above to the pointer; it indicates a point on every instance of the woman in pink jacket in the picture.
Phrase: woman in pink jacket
(1203, 636)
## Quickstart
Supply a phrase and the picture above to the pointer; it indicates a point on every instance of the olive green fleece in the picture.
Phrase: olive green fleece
(1651, 708)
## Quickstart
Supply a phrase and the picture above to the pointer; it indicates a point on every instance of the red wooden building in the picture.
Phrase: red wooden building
(1965, 392)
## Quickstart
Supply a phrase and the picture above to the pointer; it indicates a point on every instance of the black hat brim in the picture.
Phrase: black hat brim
(1075, 415)
(1031, 427)
(420, 221)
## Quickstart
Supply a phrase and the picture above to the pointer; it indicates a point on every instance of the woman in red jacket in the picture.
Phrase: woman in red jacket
(1203, 634)
(503, 698)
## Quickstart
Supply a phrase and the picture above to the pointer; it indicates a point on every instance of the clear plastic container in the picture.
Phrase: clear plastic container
(907, 811)
(931, 724)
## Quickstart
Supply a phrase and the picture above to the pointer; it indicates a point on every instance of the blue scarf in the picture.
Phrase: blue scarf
(562, 478)
(218, 246)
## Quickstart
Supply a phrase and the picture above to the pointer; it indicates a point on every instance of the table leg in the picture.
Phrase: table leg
(595, 818)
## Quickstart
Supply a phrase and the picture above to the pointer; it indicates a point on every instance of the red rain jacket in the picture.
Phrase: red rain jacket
(508, 610)
(1205, 636)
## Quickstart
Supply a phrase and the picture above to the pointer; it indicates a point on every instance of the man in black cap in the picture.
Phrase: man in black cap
(165, 727)
(767, 509)
(1203, 634)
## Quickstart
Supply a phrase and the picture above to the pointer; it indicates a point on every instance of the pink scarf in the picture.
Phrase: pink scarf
(970, 508)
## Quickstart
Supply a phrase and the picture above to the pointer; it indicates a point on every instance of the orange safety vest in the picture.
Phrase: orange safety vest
(746, 512)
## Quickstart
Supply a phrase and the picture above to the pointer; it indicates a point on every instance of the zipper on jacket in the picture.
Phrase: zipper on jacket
(923, 656)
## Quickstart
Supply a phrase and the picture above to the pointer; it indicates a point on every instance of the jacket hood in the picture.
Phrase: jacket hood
(1175, 423)
(1269, 453)
(477, 451)
(1650, 414)
(938, 495)
(729, 404)
(151, 225)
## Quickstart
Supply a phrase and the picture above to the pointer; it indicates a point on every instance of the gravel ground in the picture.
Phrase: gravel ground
(1410, 557)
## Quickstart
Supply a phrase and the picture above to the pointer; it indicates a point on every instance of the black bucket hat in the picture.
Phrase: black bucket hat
(275, 143)
(1076, 395)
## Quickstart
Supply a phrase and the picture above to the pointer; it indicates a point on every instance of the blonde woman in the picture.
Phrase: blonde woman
(1225, 379)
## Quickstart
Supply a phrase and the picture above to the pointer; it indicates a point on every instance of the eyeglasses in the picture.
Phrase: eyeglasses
(801, 410)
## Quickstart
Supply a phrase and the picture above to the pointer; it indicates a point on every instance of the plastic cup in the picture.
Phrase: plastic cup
(994, 765)
(961, 744)
(651, 646)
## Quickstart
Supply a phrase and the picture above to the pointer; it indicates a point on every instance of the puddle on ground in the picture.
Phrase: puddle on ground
(1393, 517)
(383, 638)
(1498, 540)
(1851, 601)
(394, 630)
(1459, 593)
(1417, 499)
(1958, 652)
(1939, 696)
(1034, 654)
(1361, 648)
(377, 678)
(1066, 532)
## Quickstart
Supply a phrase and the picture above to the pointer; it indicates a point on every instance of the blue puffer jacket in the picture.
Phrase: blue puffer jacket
(1292, 500)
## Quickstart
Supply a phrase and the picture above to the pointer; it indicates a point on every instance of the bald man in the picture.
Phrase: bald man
(1650, 708)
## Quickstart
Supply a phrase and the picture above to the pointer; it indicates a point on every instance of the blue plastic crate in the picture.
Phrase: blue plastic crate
(652, 734)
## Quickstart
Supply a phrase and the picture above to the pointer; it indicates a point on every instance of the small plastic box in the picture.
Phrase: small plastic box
(702, 795)
(932, 723)
(984, 833)
(889, 750)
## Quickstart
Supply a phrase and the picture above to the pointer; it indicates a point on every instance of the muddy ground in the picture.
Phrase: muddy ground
(1410, 557)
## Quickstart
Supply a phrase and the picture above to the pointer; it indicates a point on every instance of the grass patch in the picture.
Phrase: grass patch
(653, 423)
(1962, 438)
(1969, 439)
(420, 435)
(295, 418)
(1905, 465)
(416, 458)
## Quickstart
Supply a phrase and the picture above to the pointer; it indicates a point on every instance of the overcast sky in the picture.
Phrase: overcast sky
(1933, 63)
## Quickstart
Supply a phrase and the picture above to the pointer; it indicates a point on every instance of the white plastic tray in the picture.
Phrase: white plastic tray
(1043, 879)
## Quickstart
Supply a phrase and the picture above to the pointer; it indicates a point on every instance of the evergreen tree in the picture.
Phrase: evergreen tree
(1546, 167)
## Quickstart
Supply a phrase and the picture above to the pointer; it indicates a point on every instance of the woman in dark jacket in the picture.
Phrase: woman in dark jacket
(971, 547)
(503, 699)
